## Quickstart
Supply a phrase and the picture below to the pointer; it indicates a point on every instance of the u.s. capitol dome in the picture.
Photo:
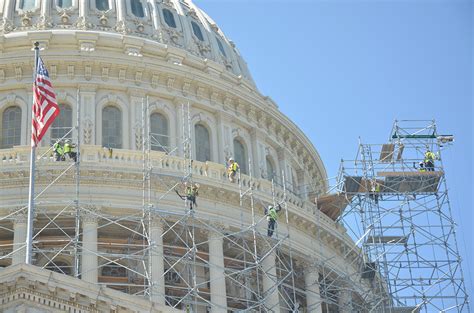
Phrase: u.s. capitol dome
(155, 96)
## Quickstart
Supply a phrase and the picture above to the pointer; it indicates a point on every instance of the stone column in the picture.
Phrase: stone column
(89, 247)
(44, 21)
(313, 297)
(179, 128)
(223, 137)
(345, 300)
(19, 237)
(8, 9)
(269, 282)
(217, 273)
(157, 262)
(88, 115)
(258, 153)
(121, 10)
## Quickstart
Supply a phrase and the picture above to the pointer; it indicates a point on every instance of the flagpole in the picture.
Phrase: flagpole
(31, 194)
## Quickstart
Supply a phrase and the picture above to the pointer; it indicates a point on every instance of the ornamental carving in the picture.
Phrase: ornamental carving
(44, 22)
(121, 27)
(87, 132)
(82, 23)
(6, 26)
(26, 19)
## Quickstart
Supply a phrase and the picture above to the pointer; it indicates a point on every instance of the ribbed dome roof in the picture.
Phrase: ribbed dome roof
(179, 23)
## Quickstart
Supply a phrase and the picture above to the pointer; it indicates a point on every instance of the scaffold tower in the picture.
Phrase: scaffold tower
(399, 212)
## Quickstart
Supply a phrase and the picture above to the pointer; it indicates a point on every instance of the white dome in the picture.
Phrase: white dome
(176, 23)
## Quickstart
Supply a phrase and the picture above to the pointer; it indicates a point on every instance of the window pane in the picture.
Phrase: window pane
(27, 5)
(240, 156)
(112, 127)
(64, 3)
(270, 169)
(159, 132)
(102, 5)
(137, 8)
(203, 143)
(221, 47)
(169, 18)
(62, 124)
(11, 127)
(197, 31)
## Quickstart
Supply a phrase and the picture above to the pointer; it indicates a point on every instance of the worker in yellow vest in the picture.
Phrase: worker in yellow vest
(58, 149)
(232, 169)
(192, 191)
(68, 150)
(272, 217)
(430, 157)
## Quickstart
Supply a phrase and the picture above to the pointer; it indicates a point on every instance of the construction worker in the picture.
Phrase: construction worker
(232, 169)
(68, 146)
(58, 149)
(430, 157)
(192, 191)
(375, 191)
(272, 217)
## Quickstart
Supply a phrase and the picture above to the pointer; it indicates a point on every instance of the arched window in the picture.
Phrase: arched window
(137, 8)
(159, 132)
(169, 18)
(197, 31)
(240, 156)
(221, 47)
(270, 168)
(62, 124)
(111, 127)
(203, 143)
(102, 5)
(27, 5)
(11, 127)
(114, 270)
(64, 3)
(59, 267)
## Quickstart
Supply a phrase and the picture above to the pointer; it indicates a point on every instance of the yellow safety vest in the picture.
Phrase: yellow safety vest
(429, 156)
(235, 166)
(273, 213)
(67, 147)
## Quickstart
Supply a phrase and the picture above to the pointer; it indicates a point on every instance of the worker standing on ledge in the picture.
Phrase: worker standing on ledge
(58, 149)
(272, 217)
(430, 157)
(232, 169)
(68, 146)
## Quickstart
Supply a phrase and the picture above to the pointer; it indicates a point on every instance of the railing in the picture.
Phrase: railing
(132, 160)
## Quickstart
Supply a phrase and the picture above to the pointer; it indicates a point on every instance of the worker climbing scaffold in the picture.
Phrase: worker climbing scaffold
(272, 217)
(191, 193)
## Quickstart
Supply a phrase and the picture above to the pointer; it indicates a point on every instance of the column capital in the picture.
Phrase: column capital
(19, 215)
(89, 215)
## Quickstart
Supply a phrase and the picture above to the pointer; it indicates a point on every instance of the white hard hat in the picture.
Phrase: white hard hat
(231, 159)
(68, 140)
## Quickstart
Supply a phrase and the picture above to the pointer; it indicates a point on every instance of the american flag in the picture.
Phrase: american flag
(45, 107)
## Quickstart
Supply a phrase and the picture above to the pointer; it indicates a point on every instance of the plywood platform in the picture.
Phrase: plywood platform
(394, 240)
(411, 182)
(332, 205)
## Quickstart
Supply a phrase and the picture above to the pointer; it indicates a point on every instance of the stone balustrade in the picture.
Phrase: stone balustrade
(93, 156)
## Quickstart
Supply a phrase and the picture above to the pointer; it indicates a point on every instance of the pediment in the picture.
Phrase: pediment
(30, 289)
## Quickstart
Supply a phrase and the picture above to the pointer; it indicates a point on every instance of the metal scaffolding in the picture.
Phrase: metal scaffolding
(399, 211)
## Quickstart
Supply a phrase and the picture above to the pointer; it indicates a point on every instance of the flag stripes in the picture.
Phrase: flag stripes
(45, 106)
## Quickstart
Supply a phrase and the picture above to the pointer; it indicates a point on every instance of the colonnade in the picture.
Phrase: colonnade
(89, 267)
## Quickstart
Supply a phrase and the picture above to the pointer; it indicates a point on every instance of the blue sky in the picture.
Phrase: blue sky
(347, 68)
